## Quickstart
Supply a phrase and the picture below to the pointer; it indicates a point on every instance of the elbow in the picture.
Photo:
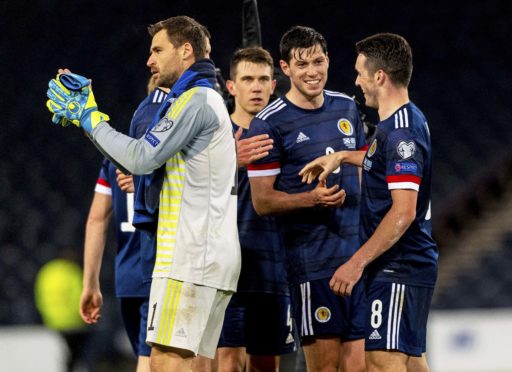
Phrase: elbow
(261, 208)
(407, 218)
(261, 211)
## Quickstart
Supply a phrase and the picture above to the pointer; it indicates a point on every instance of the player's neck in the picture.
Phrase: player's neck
(391, 101)
(242, 118)
(304, 102)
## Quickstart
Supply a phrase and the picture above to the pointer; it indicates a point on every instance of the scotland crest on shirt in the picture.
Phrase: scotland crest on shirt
(345, 127)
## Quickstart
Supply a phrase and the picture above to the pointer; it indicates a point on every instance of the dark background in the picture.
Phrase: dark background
(461, 81)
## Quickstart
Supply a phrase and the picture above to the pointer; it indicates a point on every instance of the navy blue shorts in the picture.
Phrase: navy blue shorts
(260, 322)
(135, 318)
(319, 312)
(397, 317)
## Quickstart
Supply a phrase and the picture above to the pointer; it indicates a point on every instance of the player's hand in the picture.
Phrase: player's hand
(320, 167)
(71, 97)
(125, 182)
(90, 305)
(332, 197)
(253, 148)
(345, 278)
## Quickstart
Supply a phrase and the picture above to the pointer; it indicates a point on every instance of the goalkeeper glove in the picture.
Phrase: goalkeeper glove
(71, 97)
(73, 82)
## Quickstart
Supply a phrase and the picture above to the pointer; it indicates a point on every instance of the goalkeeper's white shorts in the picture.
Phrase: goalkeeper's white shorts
(186, 316)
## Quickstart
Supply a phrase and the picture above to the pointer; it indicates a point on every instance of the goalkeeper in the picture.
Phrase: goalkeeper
(190, 152)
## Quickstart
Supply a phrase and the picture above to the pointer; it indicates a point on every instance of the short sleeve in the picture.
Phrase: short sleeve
(404, 160)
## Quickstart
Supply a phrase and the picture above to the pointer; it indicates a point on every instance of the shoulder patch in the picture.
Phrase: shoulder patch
(163, 125)
(406, 149)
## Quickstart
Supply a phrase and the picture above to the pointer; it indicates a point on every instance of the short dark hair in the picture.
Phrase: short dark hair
(300, 37)
(390, 53)
(256, 55)
(181, 30)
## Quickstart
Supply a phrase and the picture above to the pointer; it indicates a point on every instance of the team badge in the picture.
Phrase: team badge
(345, 127)
(406, 149)
(323, 314)
(373, 148)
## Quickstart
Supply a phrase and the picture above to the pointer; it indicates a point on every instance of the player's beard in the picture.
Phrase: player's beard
(168, 80)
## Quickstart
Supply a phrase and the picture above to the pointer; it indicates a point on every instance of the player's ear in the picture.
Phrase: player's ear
(274, 83)
(284, 67)
(230, 85)
(187, 51)
(380, 76)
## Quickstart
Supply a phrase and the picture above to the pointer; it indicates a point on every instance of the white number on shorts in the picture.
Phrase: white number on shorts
(328, 151)
(127, 226)
(376, 319)
(289, 321)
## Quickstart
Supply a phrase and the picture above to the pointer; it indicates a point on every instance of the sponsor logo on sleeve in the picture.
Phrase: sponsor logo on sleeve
(151, 139)
(345, 127)
(406, 149)
(406, 167)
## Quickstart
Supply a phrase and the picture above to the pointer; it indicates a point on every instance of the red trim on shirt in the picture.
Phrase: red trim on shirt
(257, 167)
(404, 178)
(364, 148)
(103, 182)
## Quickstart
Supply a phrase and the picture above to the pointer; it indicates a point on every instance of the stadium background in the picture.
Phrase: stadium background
(461, 80)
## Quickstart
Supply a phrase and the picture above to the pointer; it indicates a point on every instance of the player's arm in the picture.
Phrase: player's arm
(185, 119)
(394, 224)
(269, 201)
(189, 115)
(95, 239)
(324, 165)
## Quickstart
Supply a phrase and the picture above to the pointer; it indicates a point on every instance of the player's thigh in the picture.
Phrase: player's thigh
(352, 357)
(386, 361)
(231, 359)
(322, 353)
(185, 316)
(262, 363)
(397, 317)
(269, 326)
(170, 359)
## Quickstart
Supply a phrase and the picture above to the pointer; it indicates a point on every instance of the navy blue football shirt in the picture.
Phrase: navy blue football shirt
(317, 240)
(399, 157)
